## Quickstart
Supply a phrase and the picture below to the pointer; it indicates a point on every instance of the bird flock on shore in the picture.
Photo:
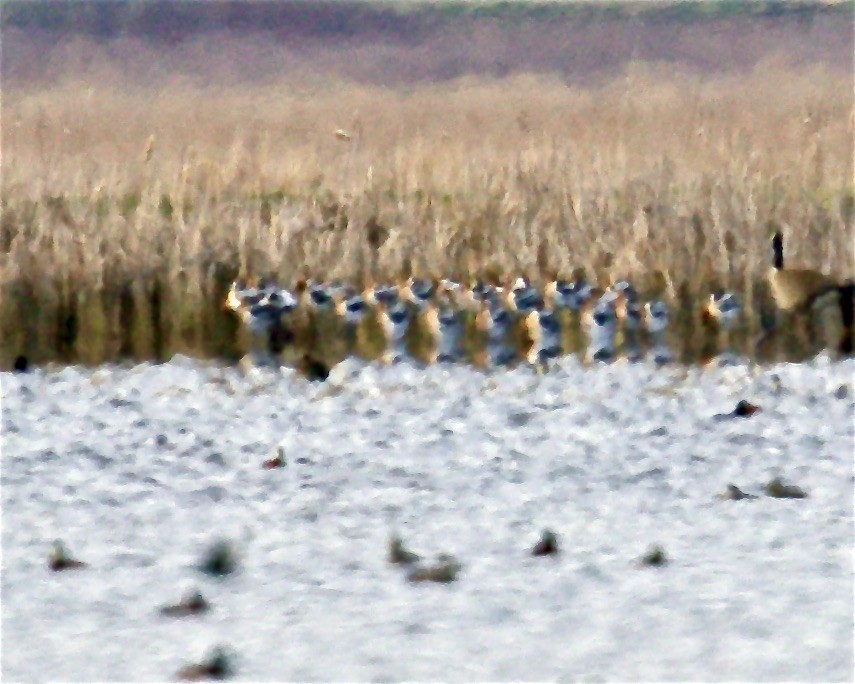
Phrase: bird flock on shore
(315, 325)
(442, 321)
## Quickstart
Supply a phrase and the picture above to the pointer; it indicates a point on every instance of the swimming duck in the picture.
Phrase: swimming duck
(60, 559)
(745, 409)
(654, 558)
(444, 571)
(277, 461)
(220, 559)
(193, 603)
(218, 665)
(547, 545)
(778, 489)
(399, 555)
(734, 493)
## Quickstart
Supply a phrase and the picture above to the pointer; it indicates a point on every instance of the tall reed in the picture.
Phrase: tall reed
(125, 215)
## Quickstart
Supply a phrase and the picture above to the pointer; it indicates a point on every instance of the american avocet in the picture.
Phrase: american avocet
(723, 310)
(656, 320)
(628, 313)
(418, 291)
(450, 332)
(601, 324)
(394, 321)
(523, 297)
(493, 323)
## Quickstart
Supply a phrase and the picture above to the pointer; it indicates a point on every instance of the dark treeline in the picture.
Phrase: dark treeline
(407, 42)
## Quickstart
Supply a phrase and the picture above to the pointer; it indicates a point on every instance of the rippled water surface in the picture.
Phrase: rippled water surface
(138, 469)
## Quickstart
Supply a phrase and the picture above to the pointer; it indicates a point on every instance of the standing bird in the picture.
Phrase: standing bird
(601, 324)
(628, 312)
(795, 291)
(656, 320)
(722, 312)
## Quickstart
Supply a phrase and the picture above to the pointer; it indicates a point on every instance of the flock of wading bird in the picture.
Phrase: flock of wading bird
(315, 325)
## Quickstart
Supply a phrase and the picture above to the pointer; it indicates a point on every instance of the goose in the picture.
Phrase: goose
(793, 289)
(796, 290)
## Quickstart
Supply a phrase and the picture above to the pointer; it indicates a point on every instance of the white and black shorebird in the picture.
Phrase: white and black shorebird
(656, 321)
(262, 310)
(723, 310)
(630, 321)
(601, 325)
(494, 322)
(450, 333)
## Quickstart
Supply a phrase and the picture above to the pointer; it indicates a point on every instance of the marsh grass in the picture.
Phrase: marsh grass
(125, 215)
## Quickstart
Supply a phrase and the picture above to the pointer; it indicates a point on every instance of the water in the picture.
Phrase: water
(139, 468)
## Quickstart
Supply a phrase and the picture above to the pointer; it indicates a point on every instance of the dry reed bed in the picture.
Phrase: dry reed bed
(127, 214)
